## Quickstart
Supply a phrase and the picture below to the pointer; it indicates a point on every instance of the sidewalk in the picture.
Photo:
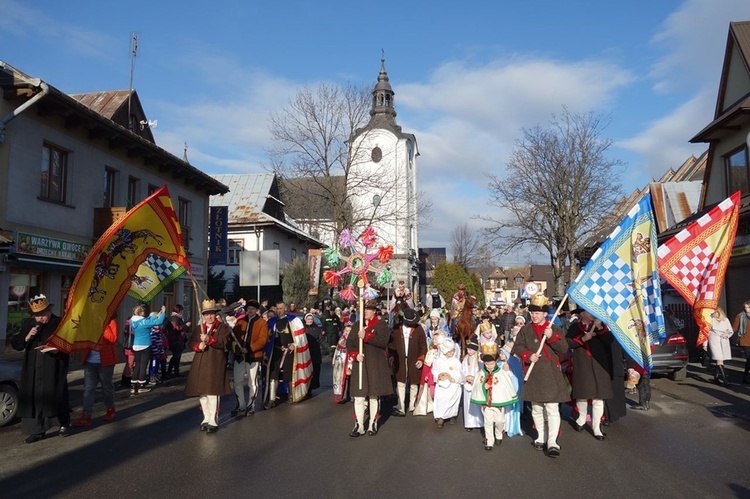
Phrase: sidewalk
(123, 398)
(699, 388)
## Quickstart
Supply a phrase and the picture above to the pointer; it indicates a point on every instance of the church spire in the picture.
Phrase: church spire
(383, 102)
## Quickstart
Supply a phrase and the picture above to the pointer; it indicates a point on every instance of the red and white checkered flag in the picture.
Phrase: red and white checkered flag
(695, 260)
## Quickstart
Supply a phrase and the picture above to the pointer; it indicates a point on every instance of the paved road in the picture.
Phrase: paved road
(694, 443)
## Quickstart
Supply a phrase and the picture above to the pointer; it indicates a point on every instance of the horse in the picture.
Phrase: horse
(465, 323)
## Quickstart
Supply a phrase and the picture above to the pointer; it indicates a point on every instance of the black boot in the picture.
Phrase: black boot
(125, 383)
(746, 378)
(722, 375)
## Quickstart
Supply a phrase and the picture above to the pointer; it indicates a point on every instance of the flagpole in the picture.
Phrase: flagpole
(361, 327)
(544, 337)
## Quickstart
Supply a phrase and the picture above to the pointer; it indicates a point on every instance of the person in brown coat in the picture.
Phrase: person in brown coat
(208, 378)
(408, 347)
(249, 340)
(546, 387)
(376, 376)
(591, 344)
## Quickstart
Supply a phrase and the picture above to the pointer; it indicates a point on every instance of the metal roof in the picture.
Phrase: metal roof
(249, 200)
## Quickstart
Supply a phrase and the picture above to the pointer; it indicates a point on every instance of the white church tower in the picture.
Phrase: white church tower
(384, 177)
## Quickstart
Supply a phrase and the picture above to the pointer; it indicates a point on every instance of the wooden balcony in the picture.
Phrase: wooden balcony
(105, 217)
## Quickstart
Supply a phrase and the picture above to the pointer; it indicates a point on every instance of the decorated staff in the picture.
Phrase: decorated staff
(368, 341)
(358, 264)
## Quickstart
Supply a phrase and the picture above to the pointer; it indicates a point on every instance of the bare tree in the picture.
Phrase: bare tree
(321, 167)
(465, 245)
(558, 184)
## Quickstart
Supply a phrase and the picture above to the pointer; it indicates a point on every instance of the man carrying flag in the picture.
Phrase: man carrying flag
(695, 260)
(620, 284)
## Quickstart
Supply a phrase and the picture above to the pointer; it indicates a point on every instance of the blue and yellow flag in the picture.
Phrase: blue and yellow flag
(150, 228)
(620, 284)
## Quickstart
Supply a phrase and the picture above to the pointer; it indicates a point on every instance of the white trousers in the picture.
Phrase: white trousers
(597, 411)
(359, 412)
(546, 431)
(210, 408)
(494, 421)
(245, 374)
(413, 389)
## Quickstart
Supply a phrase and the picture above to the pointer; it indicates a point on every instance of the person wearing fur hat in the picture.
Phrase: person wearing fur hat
(447, 373)
(208, 378)
(470, 367)
(591, 344)
(375, 380)
(408, 347)
(43, 395)
(495, 388)
(249, 339)
(546, 387)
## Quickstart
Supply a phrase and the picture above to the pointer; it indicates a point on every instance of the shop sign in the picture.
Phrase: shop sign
(49, 247)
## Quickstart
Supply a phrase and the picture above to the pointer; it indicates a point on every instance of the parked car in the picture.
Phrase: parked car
(10, 380)
(671, 355)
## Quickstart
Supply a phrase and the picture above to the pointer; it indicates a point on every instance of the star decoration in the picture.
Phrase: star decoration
(358, 264)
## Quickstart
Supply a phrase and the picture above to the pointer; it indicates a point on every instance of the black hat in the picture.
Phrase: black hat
(411, 317)
(371, 305)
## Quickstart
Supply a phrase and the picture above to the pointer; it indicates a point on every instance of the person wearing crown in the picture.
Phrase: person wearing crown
(43, 395)
(208, 378)
(495, 388)
(375, 380)
(546, 387)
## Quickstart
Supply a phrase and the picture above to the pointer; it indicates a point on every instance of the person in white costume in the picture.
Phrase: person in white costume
(447, 373)
(470, 367)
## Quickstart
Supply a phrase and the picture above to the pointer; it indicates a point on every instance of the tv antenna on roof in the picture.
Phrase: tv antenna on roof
(133, 53)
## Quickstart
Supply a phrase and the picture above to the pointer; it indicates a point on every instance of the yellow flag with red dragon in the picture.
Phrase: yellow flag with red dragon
(150, 228)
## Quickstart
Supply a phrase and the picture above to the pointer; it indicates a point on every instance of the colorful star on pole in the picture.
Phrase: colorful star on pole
(358, 264)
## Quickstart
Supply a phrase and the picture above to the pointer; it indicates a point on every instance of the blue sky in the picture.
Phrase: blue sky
(467, 75)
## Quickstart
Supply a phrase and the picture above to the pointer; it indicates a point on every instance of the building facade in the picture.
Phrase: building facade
(71, 165)
(257, 222)
(728, 164)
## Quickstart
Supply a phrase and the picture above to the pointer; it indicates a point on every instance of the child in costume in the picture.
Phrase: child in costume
(426, 394)
(494, 389)
(342, 367)
(447, 373)
(470, 367)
